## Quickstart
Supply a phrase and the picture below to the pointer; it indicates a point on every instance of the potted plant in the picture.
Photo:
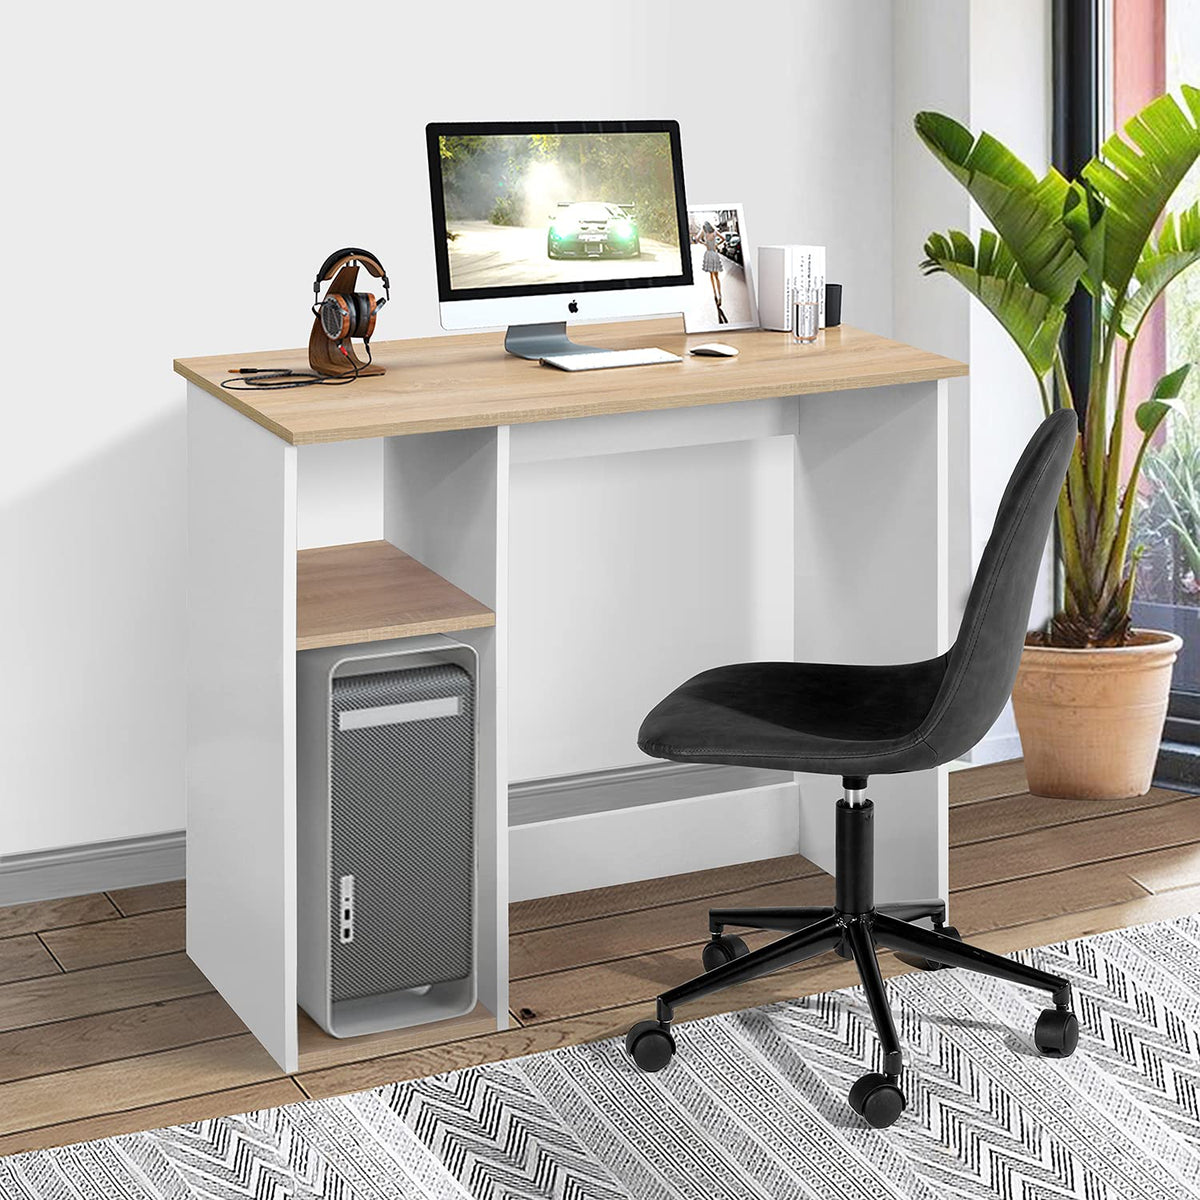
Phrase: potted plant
(1091, 693)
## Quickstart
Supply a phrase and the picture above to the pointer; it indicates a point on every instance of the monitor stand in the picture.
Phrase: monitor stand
(542, 341)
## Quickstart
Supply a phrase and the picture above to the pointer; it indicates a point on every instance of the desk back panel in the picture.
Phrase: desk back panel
(339, 493)
(630, 572)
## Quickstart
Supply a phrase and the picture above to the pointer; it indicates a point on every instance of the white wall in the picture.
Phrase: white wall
(932, 71)
(177, 174)
(986, 64)
(1010, 96)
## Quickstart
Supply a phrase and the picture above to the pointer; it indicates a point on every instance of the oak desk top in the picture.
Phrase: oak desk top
(469, 382)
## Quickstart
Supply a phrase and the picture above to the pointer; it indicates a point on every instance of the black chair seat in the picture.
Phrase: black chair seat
(820, 717)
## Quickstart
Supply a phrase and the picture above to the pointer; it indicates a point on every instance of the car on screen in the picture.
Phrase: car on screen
(593, 229)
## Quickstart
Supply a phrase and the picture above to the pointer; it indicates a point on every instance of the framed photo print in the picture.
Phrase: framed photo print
(722, 296)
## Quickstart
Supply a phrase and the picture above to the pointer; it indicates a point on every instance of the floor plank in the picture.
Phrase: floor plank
(1168, 870)
(24, 957)
(608, 984)
(1023, 813)
(991, 907)
(452, 1056)
(173, 1112)
(111, 1046)
(1068, 926)
(988, 781)
(149, 897)
(824, 975)
(134, 1082)
(827, 975)
(1020, 901)
(99, 989)
(50, 914)
(565, 946)
(83, 946)
(106, 1037)
(1173, 823)
(319, 1050)
(548, 911)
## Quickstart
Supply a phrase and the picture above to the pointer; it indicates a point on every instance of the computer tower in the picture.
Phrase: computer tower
(386, 783)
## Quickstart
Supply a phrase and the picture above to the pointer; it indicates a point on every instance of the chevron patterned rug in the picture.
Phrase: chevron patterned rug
(752, 1108)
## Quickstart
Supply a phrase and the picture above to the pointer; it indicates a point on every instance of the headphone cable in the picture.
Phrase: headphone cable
(278, 379)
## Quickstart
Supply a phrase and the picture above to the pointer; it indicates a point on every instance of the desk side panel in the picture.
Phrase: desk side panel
(241, 836)
(871, 587)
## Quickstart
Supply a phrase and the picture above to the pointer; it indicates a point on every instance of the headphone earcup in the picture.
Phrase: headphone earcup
(337, 317)
(358, 314)
(370, 308)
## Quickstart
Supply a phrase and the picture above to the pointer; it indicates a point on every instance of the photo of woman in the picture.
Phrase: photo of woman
(711, 263)
(726, 298)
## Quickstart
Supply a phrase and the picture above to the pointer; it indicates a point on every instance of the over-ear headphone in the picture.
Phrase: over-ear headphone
(340, 317)
(349, 316)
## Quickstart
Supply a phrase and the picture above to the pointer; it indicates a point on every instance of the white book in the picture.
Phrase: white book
(784, 271)
(774, 281)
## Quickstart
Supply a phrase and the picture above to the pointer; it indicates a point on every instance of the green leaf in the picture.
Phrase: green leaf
(1031, 319)
(1026, 211)
(1177, 248)
(1083, 215)
(962, 154)
(1136, 178)
(1150, 413)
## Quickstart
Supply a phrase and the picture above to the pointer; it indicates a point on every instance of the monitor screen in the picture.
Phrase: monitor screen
(537, 208)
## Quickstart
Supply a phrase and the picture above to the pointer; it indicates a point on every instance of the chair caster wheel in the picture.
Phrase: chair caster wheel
(1056, 1033)
(877, 1100)
(650, 1045)
(723, 949)
(927, 964)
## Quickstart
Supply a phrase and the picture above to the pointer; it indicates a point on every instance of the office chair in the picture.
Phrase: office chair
(857, 721)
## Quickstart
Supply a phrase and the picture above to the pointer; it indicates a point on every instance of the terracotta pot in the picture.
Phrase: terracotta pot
(1091, 720)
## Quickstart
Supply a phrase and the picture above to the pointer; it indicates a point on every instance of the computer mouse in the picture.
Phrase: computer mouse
(715, 350)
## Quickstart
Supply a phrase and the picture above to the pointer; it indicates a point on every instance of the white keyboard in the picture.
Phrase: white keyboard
(595, 360)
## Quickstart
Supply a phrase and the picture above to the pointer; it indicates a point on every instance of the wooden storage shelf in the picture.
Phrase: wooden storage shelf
(369, 591)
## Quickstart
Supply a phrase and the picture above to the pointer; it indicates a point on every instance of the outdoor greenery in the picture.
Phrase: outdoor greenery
(1104, 233)
(1170, 516)
(517, 180)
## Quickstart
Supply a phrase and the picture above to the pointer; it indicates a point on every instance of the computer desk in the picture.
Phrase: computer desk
(458, 418)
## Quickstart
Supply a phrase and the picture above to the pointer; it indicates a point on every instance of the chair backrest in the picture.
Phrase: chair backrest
(981, 666)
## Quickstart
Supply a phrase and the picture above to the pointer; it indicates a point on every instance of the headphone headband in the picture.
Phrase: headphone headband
(346, 254)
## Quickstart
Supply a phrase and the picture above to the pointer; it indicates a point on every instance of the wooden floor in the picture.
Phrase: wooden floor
(106, 1027)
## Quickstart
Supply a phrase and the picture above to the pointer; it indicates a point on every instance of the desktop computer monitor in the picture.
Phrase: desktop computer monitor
(538, 223)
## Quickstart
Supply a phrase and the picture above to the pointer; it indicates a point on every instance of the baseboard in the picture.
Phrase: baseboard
(564, 796)
(566, 834)
(643, 841)
(93, 867)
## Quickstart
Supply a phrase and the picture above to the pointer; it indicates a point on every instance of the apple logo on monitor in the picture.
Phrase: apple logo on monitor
(573, 307)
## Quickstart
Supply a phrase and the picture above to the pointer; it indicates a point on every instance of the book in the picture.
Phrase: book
(783, 273)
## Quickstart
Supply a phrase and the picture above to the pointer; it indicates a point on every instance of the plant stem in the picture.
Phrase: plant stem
(1074, 519)
(1047, 406)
